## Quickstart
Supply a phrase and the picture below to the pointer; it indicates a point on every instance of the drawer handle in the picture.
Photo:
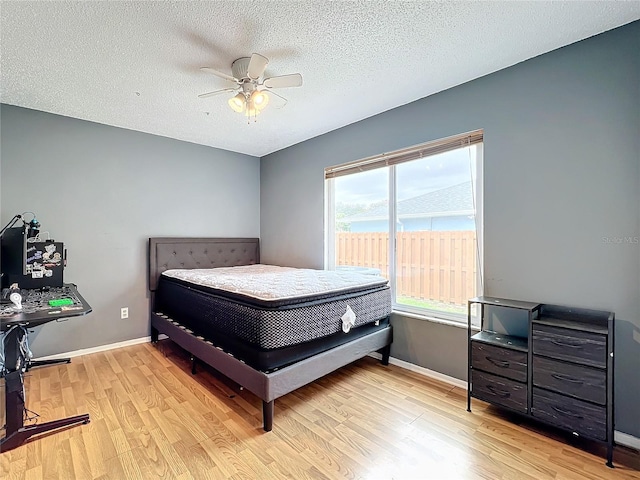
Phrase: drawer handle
(567, 412)
(563, 344)
(498, 393)
(498, 363)
(566, 378)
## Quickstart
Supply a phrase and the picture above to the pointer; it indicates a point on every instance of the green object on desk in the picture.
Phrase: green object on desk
(59, 302)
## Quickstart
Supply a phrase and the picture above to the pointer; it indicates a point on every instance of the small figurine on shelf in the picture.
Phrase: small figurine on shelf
(15, 296)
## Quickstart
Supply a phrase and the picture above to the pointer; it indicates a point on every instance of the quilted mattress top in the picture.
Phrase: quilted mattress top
(273, 283)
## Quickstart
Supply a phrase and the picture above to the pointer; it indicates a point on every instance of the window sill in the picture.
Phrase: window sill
(442, 321)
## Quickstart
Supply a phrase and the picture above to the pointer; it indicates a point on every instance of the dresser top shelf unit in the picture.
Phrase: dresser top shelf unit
(594, 321)
(500, 340)
(505, 302)
(560, 372)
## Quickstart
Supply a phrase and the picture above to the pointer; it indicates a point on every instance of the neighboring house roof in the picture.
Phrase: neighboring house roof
(454, 200)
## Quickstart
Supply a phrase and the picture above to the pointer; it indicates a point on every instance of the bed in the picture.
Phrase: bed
(269, 343)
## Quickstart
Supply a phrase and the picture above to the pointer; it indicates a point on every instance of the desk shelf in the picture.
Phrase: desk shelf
(15, 328)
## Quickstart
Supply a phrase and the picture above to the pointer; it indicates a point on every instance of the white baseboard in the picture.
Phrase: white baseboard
(627, 440)
(98, 349)
(619, 438)
(456, 382)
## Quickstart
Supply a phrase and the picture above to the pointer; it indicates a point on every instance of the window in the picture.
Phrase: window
(413, 216)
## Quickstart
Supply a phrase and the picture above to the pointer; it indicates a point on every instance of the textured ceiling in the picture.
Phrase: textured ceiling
(136, 64)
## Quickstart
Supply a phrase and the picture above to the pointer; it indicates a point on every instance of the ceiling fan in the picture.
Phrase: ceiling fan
(252, 96)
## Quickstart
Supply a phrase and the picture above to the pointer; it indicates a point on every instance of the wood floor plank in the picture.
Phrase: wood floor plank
(171, 427)
(56, 458)
(201, 465)
(34, 473)
(151, 418)
(33, 455)
(79, 457)
(328, 459)
(124, 466)
(95, 453)
(227, 438)
(176, 463)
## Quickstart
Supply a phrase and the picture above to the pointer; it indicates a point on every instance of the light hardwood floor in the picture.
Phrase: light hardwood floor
(150, 418)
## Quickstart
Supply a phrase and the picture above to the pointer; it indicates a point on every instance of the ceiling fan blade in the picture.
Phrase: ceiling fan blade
(283, 103)
(257, 64)
(284, 81)
(216, 92)
(219, 74)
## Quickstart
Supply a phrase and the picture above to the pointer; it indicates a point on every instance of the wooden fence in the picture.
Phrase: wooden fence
(431, 266)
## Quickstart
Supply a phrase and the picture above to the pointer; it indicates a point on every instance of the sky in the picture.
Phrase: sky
(413, 178)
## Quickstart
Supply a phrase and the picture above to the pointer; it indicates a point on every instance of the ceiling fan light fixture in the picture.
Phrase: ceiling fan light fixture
(259, 99)
(238, 103)
(253, 89)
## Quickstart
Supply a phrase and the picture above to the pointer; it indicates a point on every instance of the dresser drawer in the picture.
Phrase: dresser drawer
(499, 391)
(568, 413)
(572, 345)
(501, 361)
(582, 382)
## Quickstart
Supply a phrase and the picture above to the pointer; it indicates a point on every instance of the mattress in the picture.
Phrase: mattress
(273, 286)
(266, 308)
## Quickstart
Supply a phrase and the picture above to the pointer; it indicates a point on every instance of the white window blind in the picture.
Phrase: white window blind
(405, 155)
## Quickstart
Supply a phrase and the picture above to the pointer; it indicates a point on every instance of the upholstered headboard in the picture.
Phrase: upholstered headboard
(184, 252)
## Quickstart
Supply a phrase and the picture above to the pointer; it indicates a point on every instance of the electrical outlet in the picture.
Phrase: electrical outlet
(124, 312)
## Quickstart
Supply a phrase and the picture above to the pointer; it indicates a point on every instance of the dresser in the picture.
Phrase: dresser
(558, 368)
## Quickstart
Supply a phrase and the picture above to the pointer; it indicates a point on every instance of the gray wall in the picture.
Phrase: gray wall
(103, 191)
(2, 222)
(561, 177)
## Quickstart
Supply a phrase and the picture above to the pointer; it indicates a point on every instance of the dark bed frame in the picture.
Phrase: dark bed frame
(167, 253)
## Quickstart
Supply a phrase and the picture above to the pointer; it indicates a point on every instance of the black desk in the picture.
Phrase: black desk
(36, 312)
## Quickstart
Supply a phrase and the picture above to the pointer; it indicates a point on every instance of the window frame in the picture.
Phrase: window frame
(383, 162)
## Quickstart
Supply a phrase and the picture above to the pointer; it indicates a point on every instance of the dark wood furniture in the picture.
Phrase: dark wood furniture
(14, 328)
(560, 373)
(167, 253)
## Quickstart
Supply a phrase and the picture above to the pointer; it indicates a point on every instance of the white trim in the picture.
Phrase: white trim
(456, 382)
(329, 225)
(420, 313)
(392, 227)
(627, 440)
(478, 183)
(441, 321)
(99, 348)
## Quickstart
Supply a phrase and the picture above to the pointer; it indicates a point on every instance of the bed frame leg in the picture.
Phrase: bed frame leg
(386, 352)
(194, 363)
(154, 335)
(267, 415)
